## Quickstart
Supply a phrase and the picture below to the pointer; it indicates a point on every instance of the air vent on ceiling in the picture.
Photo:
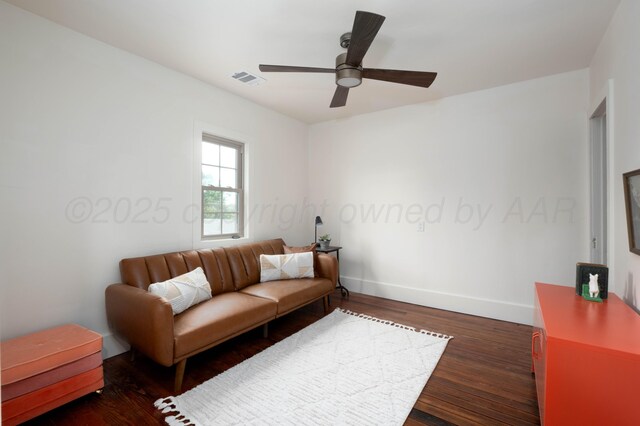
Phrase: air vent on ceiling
(248, 79)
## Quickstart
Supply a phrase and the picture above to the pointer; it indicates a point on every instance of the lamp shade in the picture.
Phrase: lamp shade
(318, 222)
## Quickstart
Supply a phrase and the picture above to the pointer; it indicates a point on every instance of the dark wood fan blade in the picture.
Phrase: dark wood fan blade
(340, 97)
(413, 78)
(286, 68)
(365, 28)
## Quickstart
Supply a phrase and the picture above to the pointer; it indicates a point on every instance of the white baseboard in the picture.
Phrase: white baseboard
(112, 346)
(489, 308)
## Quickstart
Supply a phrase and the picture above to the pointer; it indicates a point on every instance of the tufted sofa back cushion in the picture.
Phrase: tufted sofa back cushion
(244, 260)
(227, 269)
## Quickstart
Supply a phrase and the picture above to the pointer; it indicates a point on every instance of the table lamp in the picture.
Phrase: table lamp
(318, 223)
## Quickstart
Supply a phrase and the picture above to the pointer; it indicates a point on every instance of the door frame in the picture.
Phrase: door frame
(598, 181)
(605, 96)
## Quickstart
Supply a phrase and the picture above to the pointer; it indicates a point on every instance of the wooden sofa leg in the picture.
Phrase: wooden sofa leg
(326, 304)
(180, 366)
(265, 330)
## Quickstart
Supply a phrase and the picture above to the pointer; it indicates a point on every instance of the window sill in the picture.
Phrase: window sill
(222, 242)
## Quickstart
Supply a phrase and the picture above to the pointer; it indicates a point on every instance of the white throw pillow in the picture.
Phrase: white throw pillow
(286, 266)
(184, 290)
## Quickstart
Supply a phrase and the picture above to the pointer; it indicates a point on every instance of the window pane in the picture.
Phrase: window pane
(228, 157)
(221, 189)
(230, 202)
(210, 153)
(211, 202)
(210, 176)
(227, 178)
(212, 224)
(229, 223)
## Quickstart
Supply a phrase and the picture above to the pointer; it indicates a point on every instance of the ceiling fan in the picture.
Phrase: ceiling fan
(349, 71)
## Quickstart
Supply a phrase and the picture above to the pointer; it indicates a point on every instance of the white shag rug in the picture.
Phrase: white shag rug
(345, 369)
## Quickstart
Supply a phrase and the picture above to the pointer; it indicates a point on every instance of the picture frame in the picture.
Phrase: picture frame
(583, 270)
(632, 204)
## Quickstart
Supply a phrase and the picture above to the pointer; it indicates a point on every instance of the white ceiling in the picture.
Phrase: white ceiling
(472, 44)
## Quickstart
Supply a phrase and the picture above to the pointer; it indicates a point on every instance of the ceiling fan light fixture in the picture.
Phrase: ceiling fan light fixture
(349, 82)
(348, 79)
(347, 75)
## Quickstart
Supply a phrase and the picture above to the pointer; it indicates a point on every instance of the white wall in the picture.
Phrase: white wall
(500, 180)
(79, 118)
(618, 60)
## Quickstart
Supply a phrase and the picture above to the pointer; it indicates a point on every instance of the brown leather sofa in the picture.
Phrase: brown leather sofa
(239, 303)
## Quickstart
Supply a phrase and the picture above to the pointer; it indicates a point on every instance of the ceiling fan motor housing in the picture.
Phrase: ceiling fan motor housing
(347, 75)
(345, 40)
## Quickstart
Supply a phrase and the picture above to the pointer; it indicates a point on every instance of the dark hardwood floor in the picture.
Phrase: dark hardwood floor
(482, 378)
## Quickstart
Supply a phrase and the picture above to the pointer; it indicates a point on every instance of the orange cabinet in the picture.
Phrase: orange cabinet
(586, 359)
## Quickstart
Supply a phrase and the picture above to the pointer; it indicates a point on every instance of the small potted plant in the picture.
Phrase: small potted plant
(324, 240)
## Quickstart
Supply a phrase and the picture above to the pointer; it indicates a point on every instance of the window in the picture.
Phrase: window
(222, 196)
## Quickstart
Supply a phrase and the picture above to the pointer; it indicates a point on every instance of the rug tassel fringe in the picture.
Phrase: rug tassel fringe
(180, 420)
(440, 335)
(167, 405)
(395, 324)
(163, 403)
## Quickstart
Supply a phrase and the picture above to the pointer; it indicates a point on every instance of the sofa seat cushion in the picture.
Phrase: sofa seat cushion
(218, 319)
(291, 294)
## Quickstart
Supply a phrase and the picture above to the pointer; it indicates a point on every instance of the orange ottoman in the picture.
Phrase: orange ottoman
(43, 370)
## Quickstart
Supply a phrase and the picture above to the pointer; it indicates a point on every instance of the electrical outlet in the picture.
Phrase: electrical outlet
(420, 226)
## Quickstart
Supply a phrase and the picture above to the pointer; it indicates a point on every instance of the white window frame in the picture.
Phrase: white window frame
(195, 212)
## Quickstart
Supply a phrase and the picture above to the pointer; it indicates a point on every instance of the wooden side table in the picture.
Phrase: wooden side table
(336, 249)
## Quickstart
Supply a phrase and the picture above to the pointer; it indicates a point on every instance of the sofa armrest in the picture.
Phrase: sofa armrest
(143, 319)
(328, 267)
